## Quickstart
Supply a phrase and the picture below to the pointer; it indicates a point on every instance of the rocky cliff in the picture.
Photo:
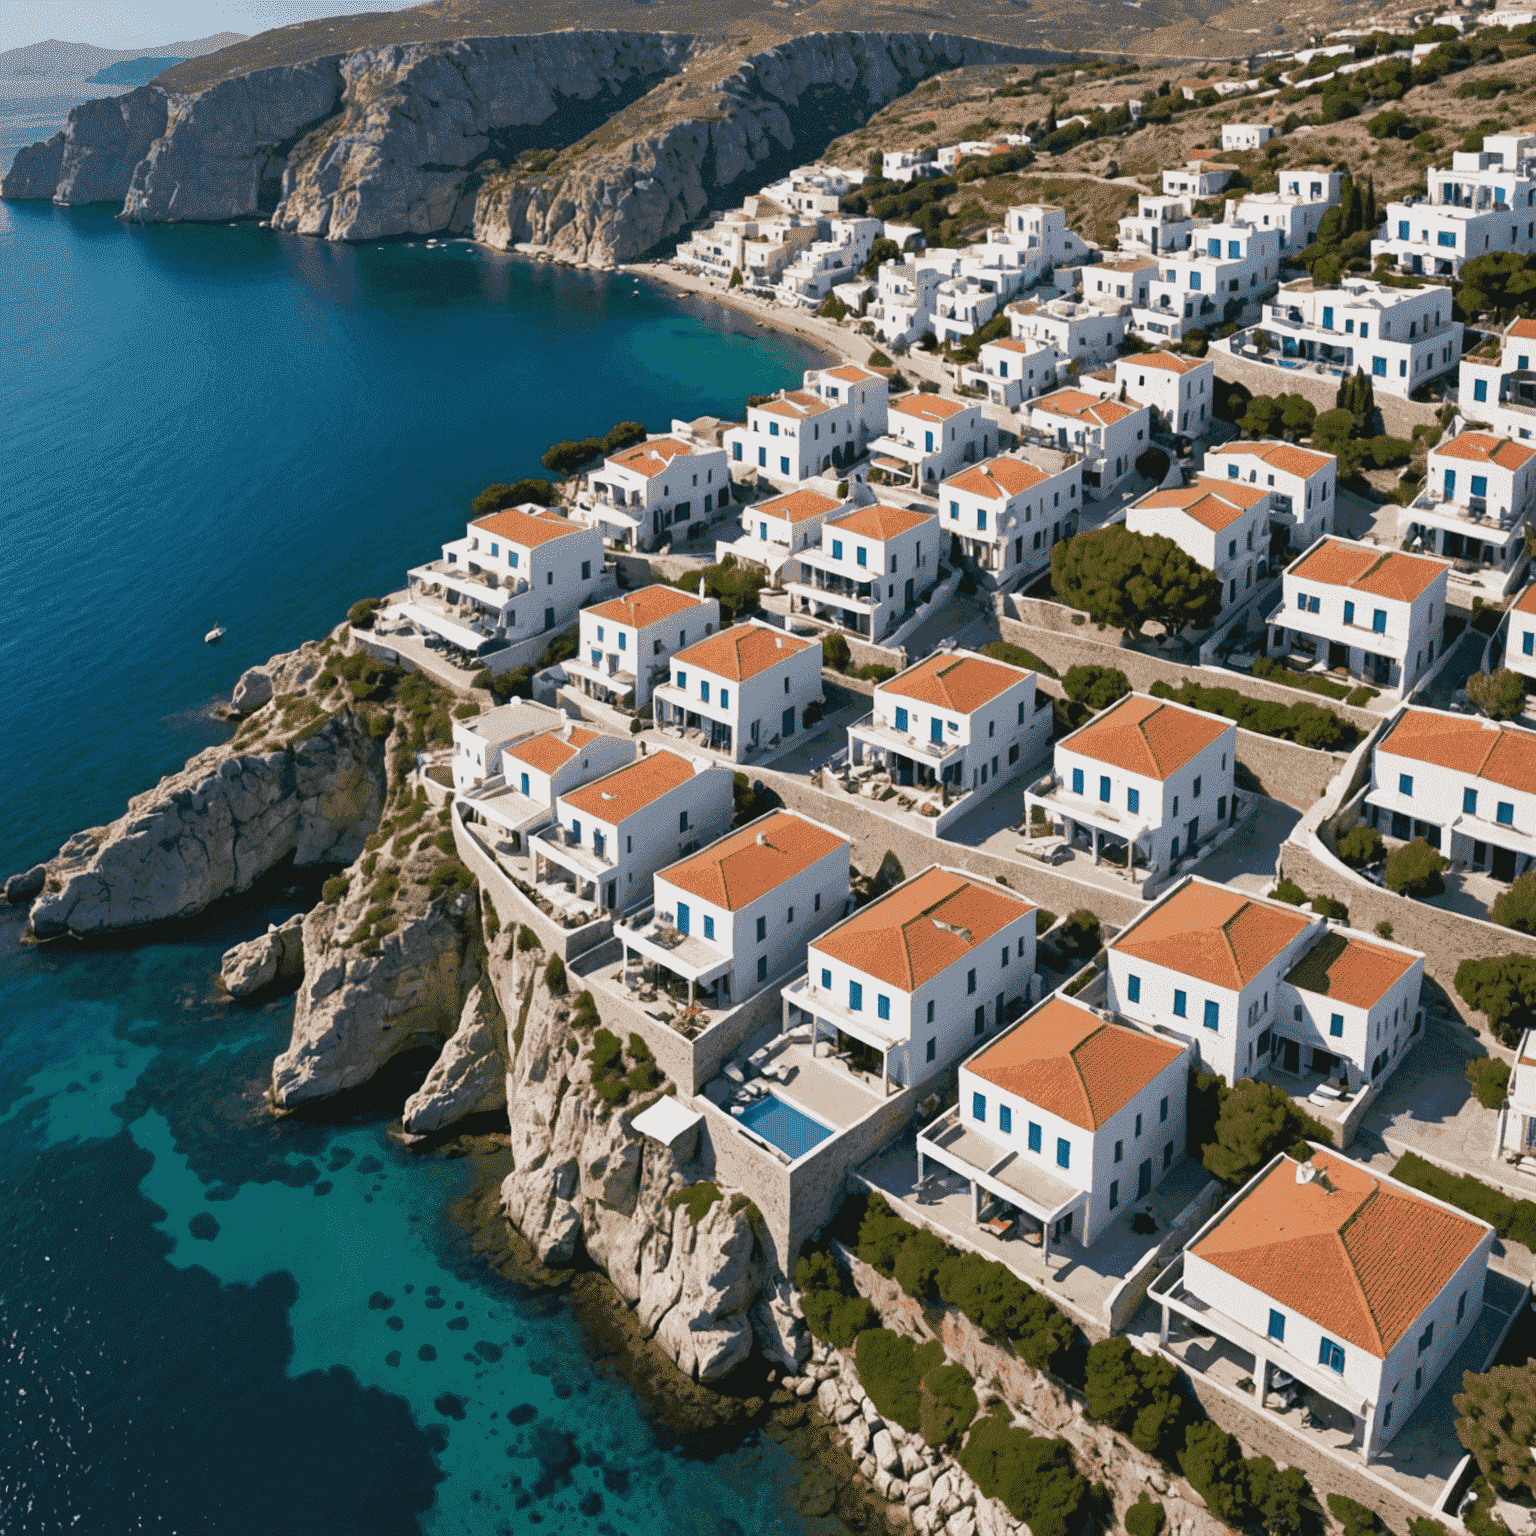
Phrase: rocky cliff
(430, 137)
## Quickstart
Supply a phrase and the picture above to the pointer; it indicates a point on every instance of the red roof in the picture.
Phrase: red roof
(629, 790)
(997, 479)
(1500, 754)
(743, 650)
(529, 526)
(929, 407)
(1214, 504)
(1147, 736)
(748, 863)
(1338, 563)
(647, 606)
(880, 521)
(1482, 448)
(962, 683)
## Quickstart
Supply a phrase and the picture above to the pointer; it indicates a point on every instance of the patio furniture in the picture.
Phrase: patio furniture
(1033, 1238)
(999, 1226)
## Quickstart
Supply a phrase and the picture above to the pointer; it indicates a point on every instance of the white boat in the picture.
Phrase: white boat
(214, 635)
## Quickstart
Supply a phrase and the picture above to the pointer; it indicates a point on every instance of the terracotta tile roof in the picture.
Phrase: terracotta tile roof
(1213, 934)
(1074, 403)
(911, 934)
(1010, 344)
(1336, 563)
(1214, 504)
(646, 606)
(797, 405)
(1526, 329)
(960, 683)
(851, 373)
(1360, 1256)
(1350, 970)
(1167, 361)
(997, 479)
(1067, 1060)
(529, 526)
(650, 458)
(629, 790)
(550, 749)
(1147, 736)
(929, 407)
(754, 860)
(1527, 601)
(1283, 456)
(1482, 448)
(742, 651)
(880, 521)
(795, 507)
(1501, 754)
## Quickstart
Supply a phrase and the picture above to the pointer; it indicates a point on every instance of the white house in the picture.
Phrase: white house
(610, 836)
(1008, 513)
(794, 436)
(1296, 207)
(961, 306)
(1147, 779)
(642, 491)
(1107, 284)
(759, 240)
(1474, 505)
(1518, 1119)
(929, 437)
(909, 983)
(1040, 231)
(1068, 1118)
(865, 390)
(626, 644)
(1401, 337)
(1077, 330)
(1220, 524)
(520, 572)
(1520, 636)
(819, 267)
(1466, 785)
(533, 771)
(737, 915)
(1179, 388)
(1301, 483)
(1199, 178)
(742, 690)
(908, 164)
(1207, 962)
(869, 570)
(1497, 384)
(1011, 371)
(955, 718)
(1159, 225)
(478, 742)
(1225, 266)
(905, 297)
(1242, 136)
(773, 532)
(1109, 434)
(1485, 202)
(1378, 613)
(1359, 1288)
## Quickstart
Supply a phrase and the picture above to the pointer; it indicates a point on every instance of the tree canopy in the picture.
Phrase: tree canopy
(1497, 1423)
(1498, 286)
(1500, 695)
(494, 497)
(1415, 870)
(1503, 989)
(1128, 579)
(1255, 1121)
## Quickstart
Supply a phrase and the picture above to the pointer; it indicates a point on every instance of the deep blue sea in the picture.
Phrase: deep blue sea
(209, 1321)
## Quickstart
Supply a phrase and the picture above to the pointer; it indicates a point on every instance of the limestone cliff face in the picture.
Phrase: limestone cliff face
(422, 138)
(215, 828)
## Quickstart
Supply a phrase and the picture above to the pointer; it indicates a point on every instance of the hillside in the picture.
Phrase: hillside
(57, 59)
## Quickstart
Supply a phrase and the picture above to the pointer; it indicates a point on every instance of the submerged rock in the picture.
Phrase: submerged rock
(275, 957)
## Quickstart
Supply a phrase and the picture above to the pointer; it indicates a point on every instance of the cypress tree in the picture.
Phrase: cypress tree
(1354, 220)
(1372, 218)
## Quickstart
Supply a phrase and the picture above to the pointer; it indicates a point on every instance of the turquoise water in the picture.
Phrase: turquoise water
(788, 1128)
(211, 1321)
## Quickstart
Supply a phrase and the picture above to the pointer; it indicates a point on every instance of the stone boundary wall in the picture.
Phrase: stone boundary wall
(873, 835)
(1399, 416)
(1143, 670)
(1297, 776)
(1125, 1301)
(733, 1160)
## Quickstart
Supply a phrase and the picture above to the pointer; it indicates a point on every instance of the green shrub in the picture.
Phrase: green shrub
(1358, 698)
(1509, 1217)
(554, 976)
(527, 939)
(360, 614)
(1489, 1078)
(1422, 1525)
(1255, 1121)
(834, 652)
(607, 1054)
(1360, 846)
(1326, 906)
(833, 1312)
(643, 1077)
(947, 1405)
(1355, 1519)
(451, 875)
(492, 922)
(917, 1265)
(1081, 934)
(495, 497)
(334, 889)
(1280, 1497)
(1503, 988)
(1497, 1424)
(1017, 656)
(1034, 1477)
(1384, 929)
(1415, 870)
(696, 1199)
(1515, 906)
(891, 1370)
(1097, 687)
(1145, 1517)
(585, 1017)
(1044, 920)
(1289, 891)
(1214, 1466)
(1309, 725)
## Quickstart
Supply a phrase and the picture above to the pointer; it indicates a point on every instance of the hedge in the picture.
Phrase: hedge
(1509, 1217)
(834, 1313)
(1309, 725)
(891, 1370)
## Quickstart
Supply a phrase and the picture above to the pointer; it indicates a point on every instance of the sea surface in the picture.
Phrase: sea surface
(210, 1321)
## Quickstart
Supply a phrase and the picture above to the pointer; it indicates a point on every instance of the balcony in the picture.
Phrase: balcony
(657, 939)
(559, 845)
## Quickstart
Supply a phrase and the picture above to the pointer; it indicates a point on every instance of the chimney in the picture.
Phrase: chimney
(778, 644)
(762, 839)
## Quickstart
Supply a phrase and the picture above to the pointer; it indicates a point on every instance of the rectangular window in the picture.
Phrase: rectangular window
(1379, 621)
(1349, 613)
(704, 692)
(1528, 643)
(1077, 781)
(762, 929)
(933, 1046)
(930, 1010)
(762, 967)
(1461, 1306)
(1212, 1018)
(883, 1006)
(1162, 1110)
(826, 979)
(981, 1020)
(1119, 1150)
(1133, 800)
(1114, 1193)
(1104, 788)
(855, 997)
(861, 556)
(1133, 989)
(979, 1108)
(901, 718)
(1336, 1025)
(1427, 1337)
(970, 981)
(709, 926)
(1277, 1326)
(1063, 1152)
(1195, 793)
(1469, 802)
(1180, 1005)
(837, 549)
(1480, 390)
(1506, 814)
(1331, 1355)
(1034, 1137)
(725, 698)
(1479, 485)
(1005, 1119)
(1405, 784)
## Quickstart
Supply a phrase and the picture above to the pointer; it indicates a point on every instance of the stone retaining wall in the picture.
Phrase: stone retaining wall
(1399, 416)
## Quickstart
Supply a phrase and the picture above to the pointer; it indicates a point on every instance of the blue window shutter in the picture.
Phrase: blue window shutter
(855, 997)
(1212, 1018)
(979, 1107)
(1005, 1119)
(1034, 1137)
(1336, 1025)
(1063, 1152)
(1077, 781)
(1180, 1005)
(1133, 988)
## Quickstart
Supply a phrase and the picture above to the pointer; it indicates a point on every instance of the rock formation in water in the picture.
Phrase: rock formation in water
(272, 959)
(426, 137)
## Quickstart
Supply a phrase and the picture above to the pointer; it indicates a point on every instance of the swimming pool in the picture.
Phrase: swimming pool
(791, 1131)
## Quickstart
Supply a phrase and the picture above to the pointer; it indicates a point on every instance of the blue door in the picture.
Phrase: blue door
(682, 917)
(936, 731)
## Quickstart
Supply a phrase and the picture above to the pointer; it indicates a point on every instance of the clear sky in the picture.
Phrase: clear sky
(120, 24)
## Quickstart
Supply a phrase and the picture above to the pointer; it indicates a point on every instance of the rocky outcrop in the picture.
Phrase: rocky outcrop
(215, 828)
(470, 1076)
(425, 137)
(273, 959)
(252, 691)
(24, 884)
(373, 988)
